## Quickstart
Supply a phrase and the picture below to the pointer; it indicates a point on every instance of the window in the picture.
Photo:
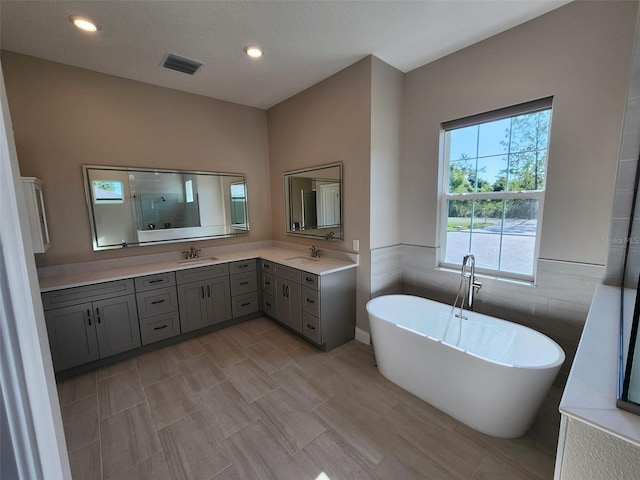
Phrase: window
(238, 204)
(494, 176)
(188, 191)
(107, 191)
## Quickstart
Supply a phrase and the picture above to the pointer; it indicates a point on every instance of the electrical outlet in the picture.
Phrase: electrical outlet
(356, 245)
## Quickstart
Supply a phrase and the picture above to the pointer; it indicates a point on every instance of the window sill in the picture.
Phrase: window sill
(513, 281)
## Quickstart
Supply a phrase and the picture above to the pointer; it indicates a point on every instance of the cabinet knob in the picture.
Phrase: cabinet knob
(89, 316)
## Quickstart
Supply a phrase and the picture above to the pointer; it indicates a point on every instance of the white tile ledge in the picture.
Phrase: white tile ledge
(590, 392)
(86, 273)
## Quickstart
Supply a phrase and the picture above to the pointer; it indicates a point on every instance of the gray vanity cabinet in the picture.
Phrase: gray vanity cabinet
(322, 308)
(204, 296)
(288, 304)
(72, 336)
(243, 278)
(268, 289)
(329, 308)
(157, 300)
(282, 294)
(91, 322)
(117, 325)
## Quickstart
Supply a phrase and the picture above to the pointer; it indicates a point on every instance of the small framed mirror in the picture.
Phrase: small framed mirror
(313, 202)
(138, 206)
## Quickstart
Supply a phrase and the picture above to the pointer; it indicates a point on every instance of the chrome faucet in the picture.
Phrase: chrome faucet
(469, 271)
(193, 253)
(315, 253)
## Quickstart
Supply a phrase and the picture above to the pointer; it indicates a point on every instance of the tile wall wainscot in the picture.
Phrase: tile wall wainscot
(557, 306)
(386, 271)
(623, 196)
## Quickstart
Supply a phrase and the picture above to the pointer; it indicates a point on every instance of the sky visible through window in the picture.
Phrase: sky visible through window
(496, 176)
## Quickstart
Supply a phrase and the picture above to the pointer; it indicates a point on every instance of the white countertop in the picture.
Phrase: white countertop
(87, 273)
(590, 393)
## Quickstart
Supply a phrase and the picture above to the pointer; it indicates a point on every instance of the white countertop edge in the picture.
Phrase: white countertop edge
(590, 393)
(86, 274)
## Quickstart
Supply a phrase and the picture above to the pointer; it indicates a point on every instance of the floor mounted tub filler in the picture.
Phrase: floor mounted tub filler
(494, 380)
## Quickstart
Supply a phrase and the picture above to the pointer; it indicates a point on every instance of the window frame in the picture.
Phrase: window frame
(444, 196)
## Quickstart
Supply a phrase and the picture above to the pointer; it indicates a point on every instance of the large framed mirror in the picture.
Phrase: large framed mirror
(131, 206)
(313, 202)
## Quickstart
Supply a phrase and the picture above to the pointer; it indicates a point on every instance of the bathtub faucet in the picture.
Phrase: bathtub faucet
(469, 271)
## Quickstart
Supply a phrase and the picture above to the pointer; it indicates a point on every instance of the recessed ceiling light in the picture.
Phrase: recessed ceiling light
(253, 51)
(84, 23)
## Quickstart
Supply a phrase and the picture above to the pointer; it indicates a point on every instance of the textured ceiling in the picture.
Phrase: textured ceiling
(304, 41)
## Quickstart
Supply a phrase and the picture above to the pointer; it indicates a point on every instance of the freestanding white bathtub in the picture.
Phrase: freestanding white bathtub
(494, 381)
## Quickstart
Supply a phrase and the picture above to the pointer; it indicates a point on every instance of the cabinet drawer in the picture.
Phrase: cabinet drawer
(311, 301)
(268, 305)
(244, 283)
(150, 282)
(289, 273)
(242, 266)
(87, 293)
(268, 283)
(155, 302)
(202, 273)
(310, 280)
(267, 266)
(244, 304)
(311, 328)
(157, 328)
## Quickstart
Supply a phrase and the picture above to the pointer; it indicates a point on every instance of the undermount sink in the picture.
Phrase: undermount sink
(301, 259)
(195, 260)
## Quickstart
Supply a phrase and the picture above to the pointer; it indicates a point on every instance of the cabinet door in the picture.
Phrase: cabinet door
(117, 325)
(193, 306)
(295, 304)
(288, 303)
(72, 336)
(283, 312)
(218, 299)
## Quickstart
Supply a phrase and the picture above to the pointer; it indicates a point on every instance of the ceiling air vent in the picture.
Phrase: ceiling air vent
(181, 64)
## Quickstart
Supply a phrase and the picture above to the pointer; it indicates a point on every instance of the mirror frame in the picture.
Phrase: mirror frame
(235, 230)
(334, 233)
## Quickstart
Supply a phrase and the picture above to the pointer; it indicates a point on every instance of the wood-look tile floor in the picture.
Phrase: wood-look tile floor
(255, 402)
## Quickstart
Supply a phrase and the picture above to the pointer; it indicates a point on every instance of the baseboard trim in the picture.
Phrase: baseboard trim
(362, 336)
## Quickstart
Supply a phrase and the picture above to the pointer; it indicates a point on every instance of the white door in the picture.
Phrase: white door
(329, 211)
